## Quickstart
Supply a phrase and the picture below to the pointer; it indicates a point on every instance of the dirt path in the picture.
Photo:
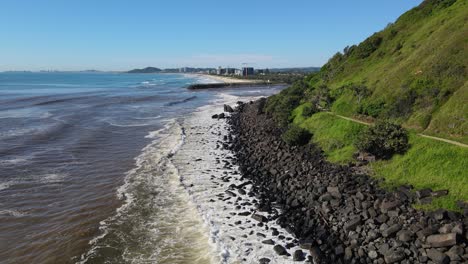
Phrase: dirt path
(422, 135)
(445, 140)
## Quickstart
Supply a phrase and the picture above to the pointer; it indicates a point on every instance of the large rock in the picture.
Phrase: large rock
(394, 255)
(389, 205)
(423, 193)
(280, 250)
(391, 230)
(352, 224)
(298, 255)
(437, 256)
(260, 218)
(442, 240)
(405, 235)
(228, 108)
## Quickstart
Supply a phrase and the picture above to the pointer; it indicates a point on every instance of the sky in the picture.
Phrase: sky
(122, 35)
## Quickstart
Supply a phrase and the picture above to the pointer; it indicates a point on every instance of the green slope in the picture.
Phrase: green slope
(414, 71)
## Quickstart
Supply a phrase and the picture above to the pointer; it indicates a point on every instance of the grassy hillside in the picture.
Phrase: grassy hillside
(413, 71)
(427, 163)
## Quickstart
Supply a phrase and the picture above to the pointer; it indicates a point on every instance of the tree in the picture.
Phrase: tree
(383, 140)
(360, 91)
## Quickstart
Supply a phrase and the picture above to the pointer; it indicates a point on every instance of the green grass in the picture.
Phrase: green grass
(334, 135)
(419, 70)
(427, 164)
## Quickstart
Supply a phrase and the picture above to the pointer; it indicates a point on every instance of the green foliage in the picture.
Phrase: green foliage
(383, 140)
(276, 77)
(360, 91)
(410, 71)
(281, 105)
(428, 164)
(372, 108)
(309, 110)
(320, 96)
(366, 48)
(296, 136)
(334, 135)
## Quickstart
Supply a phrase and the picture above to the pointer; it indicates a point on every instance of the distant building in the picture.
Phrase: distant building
(221, 71)
(248, 71)
(230, 71)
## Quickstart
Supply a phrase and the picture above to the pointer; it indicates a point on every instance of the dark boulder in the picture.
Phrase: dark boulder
(298, 255)
(437, 256)
(228, 109)
(280, 250)
(442, 240)
(260, 218)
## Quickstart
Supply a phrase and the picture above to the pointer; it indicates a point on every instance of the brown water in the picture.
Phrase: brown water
(84, 169)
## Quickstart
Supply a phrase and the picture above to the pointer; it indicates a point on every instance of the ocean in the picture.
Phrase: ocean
(116, 168)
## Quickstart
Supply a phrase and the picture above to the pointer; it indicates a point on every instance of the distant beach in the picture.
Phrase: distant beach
(227, 79)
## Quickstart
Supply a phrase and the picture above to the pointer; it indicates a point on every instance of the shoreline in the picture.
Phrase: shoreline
(218, 82)
(227, 79)
(335, 214)
(224, 199)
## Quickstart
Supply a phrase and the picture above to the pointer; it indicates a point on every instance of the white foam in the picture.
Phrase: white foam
(154, 171)
(5, 185)
(13, 161)
(195, 222)
(14, 213)
(52, 178)
(203, 134)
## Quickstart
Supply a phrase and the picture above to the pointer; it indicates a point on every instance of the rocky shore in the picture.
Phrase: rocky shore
(334, 214)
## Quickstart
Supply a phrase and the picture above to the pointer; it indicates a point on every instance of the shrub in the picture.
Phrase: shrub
(383, 140)
(281, 105)
(373, 108)
(368, 46)
(309, 110)
(296, 136)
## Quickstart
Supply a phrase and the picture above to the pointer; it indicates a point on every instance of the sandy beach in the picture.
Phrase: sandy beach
(227, 79)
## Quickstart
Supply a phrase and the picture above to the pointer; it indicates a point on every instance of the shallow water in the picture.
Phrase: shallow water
(89, 172)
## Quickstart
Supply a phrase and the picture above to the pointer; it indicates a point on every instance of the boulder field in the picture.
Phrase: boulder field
(335, 214)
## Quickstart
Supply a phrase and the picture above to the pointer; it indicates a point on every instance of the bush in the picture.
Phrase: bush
(281, 105)
(309, 110)
(296, 136)
(368, 46)
(383, 140)
(372, 108)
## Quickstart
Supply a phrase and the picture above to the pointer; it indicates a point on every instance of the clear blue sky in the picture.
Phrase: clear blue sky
(119, 35)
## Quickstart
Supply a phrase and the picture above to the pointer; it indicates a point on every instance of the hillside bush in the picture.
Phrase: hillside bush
(296, 136)
(309, 110)
(368, 46)
(281, 105)
(372, 108)
(383, 140)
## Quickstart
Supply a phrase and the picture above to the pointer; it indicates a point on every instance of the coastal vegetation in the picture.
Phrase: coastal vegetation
(383, 140)
(146, 70)
(296, 135)
(276, 77)
(425, 164)
(409, 78)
